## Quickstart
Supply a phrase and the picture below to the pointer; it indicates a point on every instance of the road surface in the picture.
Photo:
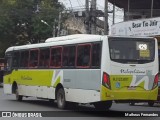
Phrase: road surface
(8, 103)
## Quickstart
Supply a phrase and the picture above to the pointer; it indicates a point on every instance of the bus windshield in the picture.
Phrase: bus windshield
(132, 50)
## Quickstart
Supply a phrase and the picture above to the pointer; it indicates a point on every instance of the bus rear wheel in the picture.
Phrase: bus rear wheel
(18, 97)
(151, 103)
(131, 103)
(61, 101)
(103, 106)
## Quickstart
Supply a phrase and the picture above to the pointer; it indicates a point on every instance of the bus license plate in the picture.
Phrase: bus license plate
(131, 88)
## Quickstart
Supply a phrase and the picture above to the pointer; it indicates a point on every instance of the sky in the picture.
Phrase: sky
(79, 4)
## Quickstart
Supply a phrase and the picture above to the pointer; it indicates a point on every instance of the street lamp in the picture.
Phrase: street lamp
(45, 23)
(52, 27)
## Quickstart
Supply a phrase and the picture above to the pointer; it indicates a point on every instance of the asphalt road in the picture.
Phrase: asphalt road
(8, 103)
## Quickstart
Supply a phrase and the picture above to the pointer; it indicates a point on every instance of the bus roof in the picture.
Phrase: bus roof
(64, 40)
(68, 37)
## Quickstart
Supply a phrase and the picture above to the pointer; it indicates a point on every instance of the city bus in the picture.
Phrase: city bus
(81, 68)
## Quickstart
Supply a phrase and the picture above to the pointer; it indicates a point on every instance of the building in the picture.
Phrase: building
(141, 18)
(76, 25)
(136, 9)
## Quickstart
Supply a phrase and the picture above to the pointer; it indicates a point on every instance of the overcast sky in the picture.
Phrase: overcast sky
(79, 4)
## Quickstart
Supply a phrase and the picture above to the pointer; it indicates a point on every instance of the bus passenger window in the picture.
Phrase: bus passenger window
(83, 55)
(69, 56)
(65, 56)
(16, 56)
(96, 54)
(56, 57)
(33, 62)
(44, 57)
(8, 66)
(24, 59)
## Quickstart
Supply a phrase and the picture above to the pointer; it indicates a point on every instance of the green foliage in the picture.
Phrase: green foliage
(20, 21)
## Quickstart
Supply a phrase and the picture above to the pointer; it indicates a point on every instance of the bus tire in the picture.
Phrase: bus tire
(18, 97)
(61, 101)
(131, 103)
(103, 106)
(151, 103)
(72, 105)
(51, 100)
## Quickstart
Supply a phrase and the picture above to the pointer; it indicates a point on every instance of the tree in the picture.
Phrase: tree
(20, 21)
(7, 35)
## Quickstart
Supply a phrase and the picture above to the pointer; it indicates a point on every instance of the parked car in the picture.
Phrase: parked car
(151, 103)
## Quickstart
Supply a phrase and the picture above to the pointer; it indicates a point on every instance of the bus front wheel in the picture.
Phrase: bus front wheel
(103, 106)
(61, 101)
(18, 97)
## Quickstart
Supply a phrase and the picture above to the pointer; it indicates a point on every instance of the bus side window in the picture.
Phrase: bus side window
(24, 59)
(83, 55)
(56, 57)
(72, 51)
(96, 54)
(69, 56)
(44, 57)
(8, 65)
(65, 56)
(16, 56)
(34, 57)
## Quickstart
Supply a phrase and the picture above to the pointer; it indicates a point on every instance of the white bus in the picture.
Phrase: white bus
(82, 68)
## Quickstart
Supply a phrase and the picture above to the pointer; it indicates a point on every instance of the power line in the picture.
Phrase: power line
(71, 4)
(102, 8)
(80, 4)
(109, 19)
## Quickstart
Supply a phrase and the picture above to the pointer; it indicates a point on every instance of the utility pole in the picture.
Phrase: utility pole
(106, 18)
(55, 28)
(93, 16)
(152, 8)
(128, 9)
(59, 23)
(113, 12)
(87, 22)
